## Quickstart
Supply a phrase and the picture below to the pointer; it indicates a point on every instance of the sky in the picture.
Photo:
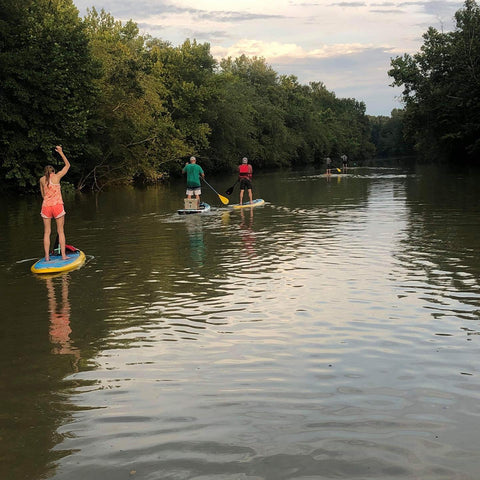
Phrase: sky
(346, 45)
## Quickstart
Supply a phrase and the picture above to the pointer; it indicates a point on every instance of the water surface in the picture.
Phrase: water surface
(332, 333)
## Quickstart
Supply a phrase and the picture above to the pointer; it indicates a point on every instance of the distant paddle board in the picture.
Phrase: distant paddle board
(204, 208)
(56, 264)
(256, 203)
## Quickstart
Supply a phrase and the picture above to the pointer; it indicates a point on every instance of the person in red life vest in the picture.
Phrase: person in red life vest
(52, 206)
(245, 177)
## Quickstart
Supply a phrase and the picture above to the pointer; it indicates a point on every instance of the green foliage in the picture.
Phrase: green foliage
(129, 107)
(46, 88)
(388, 135)
(133, 131)
(441, 89)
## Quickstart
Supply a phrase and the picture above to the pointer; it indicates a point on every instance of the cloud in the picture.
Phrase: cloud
(225, 16)
(149, 8)
(391, 11)
(348, 4)
(434, 7)
(288, 52)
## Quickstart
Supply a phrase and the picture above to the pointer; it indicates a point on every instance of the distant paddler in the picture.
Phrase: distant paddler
(328, 160)
(245, 173)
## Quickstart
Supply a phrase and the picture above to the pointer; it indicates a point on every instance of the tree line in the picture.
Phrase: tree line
(441, 90)
(130, 107)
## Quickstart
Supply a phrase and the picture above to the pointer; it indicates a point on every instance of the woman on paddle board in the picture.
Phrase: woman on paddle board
(52, 206)
(245, 173)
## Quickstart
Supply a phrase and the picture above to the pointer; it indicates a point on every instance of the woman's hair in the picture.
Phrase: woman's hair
(48, 170)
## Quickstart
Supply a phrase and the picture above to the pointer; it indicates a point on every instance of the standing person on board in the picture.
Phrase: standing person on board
(194, 172)
(52, 206)
(344, 163)
(329, 165)
(245, 173)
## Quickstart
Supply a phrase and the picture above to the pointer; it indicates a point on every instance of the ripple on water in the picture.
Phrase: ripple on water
(325, 337)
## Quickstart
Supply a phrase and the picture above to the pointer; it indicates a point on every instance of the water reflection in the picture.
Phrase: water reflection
(246, 229)
(439, 251)
(197, 248)
(60, 328)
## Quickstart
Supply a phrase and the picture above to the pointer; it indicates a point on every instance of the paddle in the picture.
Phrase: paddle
(56, 247)
(230, 190)
(223, 199)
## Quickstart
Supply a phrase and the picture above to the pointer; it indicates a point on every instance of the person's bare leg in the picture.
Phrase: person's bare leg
(61, 235)
(241, 196)
(47, 230)
(250, 195)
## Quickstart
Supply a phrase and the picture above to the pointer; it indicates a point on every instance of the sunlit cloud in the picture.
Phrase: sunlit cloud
(276, 51)
(385, 11)
(348, 4)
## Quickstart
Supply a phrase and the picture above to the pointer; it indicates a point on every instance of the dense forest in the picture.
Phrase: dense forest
(441, 90)
(388, 135)
(131, 107)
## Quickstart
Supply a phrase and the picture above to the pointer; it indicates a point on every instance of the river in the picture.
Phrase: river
(331, 333)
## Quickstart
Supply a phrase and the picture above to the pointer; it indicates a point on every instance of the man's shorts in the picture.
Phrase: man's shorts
(245, 183)
(56, 211)
(194, 191)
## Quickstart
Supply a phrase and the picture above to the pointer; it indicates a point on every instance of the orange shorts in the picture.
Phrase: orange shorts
(56, 211)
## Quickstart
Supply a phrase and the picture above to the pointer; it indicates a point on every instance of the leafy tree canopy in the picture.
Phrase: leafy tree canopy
(129, 107)
(441, 89)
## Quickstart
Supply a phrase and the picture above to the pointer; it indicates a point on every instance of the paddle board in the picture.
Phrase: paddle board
(256, 203)
(204, 208)
(56, 264)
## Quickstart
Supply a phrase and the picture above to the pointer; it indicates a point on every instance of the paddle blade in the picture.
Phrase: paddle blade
(229, 191)
(223, 199)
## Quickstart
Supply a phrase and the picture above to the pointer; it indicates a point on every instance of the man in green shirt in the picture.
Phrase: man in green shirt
(194, 172)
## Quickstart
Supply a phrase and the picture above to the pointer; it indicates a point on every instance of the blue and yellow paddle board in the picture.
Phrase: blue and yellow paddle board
(256, 203)
(56, 264)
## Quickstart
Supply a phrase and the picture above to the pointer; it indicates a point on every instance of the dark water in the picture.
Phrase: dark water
(332, 333)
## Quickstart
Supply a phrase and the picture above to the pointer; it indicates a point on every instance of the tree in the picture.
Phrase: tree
(388, 135)
(46, 89)
(441, 88)
(134, 132)
(187, 72)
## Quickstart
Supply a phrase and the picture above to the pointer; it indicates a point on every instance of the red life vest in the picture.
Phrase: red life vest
(244, 171)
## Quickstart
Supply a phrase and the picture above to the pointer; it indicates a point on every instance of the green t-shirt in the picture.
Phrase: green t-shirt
(193, 175)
